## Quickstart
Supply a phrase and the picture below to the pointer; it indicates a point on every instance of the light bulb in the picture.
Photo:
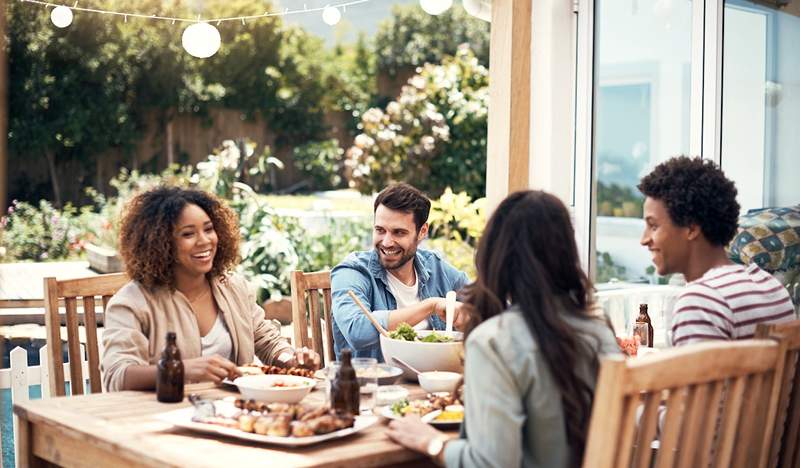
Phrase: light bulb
(201, 40)
(435, 7)
(61, 16)
(331, 15)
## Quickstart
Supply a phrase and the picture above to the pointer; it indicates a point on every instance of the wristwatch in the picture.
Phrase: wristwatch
(435, 446)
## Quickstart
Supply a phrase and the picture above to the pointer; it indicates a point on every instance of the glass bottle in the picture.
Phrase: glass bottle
(169, 374)
(644, 326)
(345, 396)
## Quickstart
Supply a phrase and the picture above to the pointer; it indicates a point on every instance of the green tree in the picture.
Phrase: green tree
(411, 37)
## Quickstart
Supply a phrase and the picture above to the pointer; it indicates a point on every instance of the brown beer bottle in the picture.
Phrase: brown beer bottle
(345, 394)
(169, 375)
(644, 318)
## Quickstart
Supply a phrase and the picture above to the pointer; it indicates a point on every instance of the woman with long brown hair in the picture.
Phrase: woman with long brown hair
(532, 346)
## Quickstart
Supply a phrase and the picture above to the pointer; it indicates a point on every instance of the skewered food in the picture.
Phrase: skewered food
(255, 369)
(280, 419)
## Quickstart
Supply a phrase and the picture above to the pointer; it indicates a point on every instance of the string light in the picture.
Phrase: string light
(331, 15)
(200, 39)
(285, 12)
(61, 16)
(435, 7)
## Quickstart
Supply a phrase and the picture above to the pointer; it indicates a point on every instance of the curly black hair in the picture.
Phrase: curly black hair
(147, 241)
(696, 191)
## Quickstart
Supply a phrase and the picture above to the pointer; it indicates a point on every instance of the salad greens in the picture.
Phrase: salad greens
(406, 332)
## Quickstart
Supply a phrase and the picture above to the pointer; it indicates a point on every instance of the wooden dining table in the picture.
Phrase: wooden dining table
(120, 429)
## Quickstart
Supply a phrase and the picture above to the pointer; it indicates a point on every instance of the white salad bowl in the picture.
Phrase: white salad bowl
(263, 387)
(425, 356)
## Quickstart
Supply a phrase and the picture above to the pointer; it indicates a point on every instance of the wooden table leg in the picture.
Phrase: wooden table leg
(23, 445)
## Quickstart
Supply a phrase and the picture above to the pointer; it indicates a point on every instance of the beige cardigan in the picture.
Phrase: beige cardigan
(137, 321)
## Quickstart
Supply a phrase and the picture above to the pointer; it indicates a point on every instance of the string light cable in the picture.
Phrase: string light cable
(201, 38)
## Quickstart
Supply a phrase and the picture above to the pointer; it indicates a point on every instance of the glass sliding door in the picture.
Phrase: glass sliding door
(760, 147)
(642, 113)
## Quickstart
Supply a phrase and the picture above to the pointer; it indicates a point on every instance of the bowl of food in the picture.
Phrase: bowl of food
(438, 381)
(273, 388)
(386, 374)
(424, 350)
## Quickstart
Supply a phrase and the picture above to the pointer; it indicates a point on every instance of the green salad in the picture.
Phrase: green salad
(406, 332)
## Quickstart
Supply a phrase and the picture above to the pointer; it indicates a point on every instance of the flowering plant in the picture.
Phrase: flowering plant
(38, 233)
(433, 135)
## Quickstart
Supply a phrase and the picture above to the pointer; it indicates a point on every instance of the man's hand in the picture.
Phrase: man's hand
(439, 308)
(209, 368)
(302, 357)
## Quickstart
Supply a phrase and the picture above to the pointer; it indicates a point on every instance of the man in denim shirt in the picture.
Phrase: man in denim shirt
(395, 281)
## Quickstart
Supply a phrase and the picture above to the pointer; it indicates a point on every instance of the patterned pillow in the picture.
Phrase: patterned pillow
(770, 237)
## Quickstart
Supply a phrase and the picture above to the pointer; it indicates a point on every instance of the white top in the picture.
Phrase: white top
(406, 295)
(218, 340)
(727, 303)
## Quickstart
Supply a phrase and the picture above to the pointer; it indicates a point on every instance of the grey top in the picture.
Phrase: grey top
(513, 407)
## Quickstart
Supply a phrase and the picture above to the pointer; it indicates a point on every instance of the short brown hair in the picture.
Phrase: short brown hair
(147, 241)
(405, 198)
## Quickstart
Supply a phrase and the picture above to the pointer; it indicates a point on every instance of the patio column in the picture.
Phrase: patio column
(508, 145)
(3, 109)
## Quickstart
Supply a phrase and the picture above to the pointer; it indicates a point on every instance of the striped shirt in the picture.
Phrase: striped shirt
(727, 303)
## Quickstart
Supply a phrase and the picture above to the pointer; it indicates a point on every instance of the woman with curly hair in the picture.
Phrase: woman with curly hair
(179, 247)
(531, 353)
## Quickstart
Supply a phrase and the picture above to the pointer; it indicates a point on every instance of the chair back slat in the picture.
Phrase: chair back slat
(698, 383)
(671, 429)
(315, 318)
(299, 310)
(785, 446)
(628, 430)
(731, 411)
(92, 351)
(791, 455)
(71, 291)
(693, 420)
(52, 321)
(307, 313)
(647, 431)
(710, 425)
(74, 346)
(326, 296)
(751, 403)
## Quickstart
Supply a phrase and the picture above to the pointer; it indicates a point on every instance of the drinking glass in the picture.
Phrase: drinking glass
(367, 372)
(330, 373)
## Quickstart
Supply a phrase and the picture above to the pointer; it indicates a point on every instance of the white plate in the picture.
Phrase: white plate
(386, 412)
(183, 418)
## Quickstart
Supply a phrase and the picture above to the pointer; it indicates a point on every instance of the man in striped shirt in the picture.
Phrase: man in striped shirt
(691, 214)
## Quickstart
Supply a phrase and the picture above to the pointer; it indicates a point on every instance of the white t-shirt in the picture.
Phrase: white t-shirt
(218, 340)
(406, 295)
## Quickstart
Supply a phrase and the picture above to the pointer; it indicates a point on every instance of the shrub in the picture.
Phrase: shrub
(38, 233)
(321, 162)
(456, 223)
(433, 135)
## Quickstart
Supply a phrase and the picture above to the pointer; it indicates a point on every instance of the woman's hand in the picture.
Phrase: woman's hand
(209, 368)
(301, 357)
(412, 433)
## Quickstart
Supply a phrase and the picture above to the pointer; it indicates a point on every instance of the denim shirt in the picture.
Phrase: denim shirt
(363, 273)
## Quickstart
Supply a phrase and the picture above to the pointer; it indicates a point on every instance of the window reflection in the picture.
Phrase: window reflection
(642, 106)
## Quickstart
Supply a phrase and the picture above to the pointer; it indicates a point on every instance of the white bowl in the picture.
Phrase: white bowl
(390, 394)
(436, 381)
(425, 356)
(261, 388)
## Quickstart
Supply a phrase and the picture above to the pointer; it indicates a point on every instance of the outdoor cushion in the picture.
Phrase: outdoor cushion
(770, 237)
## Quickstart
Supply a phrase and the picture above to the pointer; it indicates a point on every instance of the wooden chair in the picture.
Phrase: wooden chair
(70, 290)
(307, 290)
(785, 451)
(718, 401)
